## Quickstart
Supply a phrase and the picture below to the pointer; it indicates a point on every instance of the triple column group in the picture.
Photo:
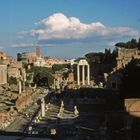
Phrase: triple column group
(83, 74)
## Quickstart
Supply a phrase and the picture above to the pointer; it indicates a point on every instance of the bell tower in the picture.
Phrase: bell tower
(38, 51)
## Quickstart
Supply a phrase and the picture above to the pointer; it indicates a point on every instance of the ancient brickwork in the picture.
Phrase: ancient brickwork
(4, 116)
(125, 56)
(24, 99)
(22, 102)
(3, 74)
(133, 106)
(70, 77)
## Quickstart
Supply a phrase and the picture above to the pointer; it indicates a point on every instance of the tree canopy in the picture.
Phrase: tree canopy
(133, 43)
(100, 57)
(58, 67)
(42, 76)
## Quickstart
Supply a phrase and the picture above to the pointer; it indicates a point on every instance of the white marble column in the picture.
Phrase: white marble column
(43, 107)
(24, 75)
(88, 75)
(83, 75)
(19, 86)
(78, 75)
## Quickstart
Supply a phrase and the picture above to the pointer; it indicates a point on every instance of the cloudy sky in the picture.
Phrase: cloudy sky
(67, 28)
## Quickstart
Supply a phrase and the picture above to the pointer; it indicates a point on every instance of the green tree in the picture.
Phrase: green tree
(120, 44)
(30, 77)
(95, 57)
(102, 58)
(134, 43)
(42, 76)
(59, 67)
(12, 80)
(129, 45)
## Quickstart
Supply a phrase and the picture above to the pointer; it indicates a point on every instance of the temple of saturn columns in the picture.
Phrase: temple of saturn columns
(83, 74)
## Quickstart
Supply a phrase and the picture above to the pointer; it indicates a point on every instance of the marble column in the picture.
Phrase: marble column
(43, 107)
(88, 75)
(24, 75)
(83, 75)
(19, 86)
(78, 75)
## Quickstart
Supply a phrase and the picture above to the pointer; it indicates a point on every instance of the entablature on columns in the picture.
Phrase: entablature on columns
(82, 62)
(85, 73)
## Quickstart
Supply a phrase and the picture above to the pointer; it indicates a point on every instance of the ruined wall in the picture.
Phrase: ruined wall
(4, 116)
(132, 106)
(125, 56)
(21, 103)
(24, 99)
(3, 74)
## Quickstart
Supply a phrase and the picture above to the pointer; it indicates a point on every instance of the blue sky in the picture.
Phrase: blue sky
(96, 24)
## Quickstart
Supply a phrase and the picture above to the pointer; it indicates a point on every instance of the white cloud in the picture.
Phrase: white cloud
(20, 37)
(58, 27)
(1, 47)
(111, 43)
(22, 45)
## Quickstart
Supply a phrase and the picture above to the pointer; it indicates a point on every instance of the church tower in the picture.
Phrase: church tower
(38, 51)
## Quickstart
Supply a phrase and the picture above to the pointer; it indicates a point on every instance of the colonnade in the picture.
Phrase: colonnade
(83, 74)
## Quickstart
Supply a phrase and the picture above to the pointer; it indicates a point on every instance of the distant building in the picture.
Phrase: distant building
(3, 55)
(5, 58)
(50, 61)
(27, 57)
(114, 79)
(40, 62)
(3, 74)
(126, 55)
(36, 59)
(38, 54)
(14, 70)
